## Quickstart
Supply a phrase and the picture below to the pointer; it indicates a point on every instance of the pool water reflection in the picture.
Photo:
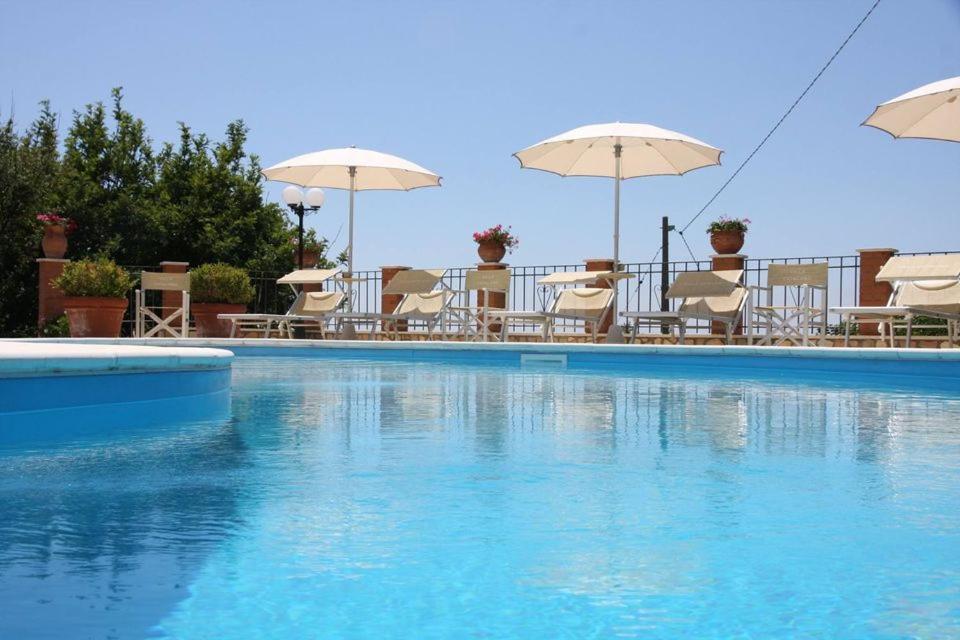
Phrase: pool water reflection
(359, 499)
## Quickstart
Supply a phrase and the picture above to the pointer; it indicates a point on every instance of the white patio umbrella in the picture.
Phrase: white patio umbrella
(353, 169)
(619, 150)
(932, 112)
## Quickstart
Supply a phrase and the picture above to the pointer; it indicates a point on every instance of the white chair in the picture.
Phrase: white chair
(792, 323)
(172, 321)
(476, 322)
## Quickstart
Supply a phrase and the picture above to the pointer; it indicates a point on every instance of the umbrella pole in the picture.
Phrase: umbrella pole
(353, 184)
(617, 152)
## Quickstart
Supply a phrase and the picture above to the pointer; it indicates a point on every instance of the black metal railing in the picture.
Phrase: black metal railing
(639, 293)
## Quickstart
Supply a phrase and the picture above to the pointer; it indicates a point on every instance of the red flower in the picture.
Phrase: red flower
(52, 219)
(499, 235)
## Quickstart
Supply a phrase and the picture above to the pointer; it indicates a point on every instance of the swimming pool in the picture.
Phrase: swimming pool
(357, 497)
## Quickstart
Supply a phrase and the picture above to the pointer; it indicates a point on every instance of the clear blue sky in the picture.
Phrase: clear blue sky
(457, 87)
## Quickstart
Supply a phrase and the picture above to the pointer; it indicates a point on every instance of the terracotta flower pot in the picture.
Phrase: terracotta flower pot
(94, 317)
(207, 323)
(491, 251)
(54, 241)
(310, 258)
(726, 242)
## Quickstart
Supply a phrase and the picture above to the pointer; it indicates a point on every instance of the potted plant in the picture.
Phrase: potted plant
(313, 248)
(214, 289)
(494, 243)
(55, 231)
(726, 234)
(95, 297)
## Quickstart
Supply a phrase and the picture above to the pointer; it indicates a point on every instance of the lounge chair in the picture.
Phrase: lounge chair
(922, 286)
(310, 309)
(475, 322)
(421, 301)
(590, 305)
(165, 321)
(714, 296)
(793, 323)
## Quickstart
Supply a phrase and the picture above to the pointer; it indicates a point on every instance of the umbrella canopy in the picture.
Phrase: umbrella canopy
(353, 169)
(932, 112)
(332, 168)
(619, 150)
(646, 151)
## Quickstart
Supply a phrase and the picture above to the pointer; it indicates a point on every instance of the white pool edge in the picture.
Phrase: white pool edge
(26, 357)
(853, 353)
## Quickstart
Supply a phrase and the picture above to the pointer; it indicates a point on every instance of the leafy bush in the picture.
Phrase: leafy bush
(724, 223)
(926, 326)
(100, 278)
(59, 328)
(220, 283)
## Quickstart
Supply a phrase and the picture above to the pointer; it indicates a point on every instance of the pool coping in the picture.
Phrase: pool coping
(39, 358)
(851, 353)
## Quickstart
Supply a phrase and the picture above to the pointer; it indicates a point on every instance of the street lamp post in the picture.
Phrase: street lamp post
(294, 198)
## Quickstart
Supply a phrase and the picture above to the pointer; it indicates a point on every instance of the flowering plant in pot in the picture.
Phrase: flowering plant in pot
(95, 297)
(726, 234)
(56, 228)
(214, 289)
(494, 243)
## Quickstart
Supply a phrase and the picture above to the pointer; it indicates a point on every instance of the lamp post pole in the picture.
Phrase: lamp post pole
(295, 199)
(299, 210)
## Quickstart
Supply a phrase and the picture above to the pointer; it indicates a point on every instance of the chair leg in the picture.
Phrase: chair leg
(846, 332)
(909, 330)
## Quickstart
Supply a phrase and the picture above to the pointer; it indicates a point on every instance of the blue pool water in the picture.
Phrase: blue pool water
(352, 499)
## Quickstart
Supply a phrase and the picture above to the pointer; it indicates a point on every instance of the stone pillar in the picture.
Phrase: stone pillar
(50, 299)
(389, 302)
(171, 299)
(602, 264)
(492, 299)
(727, 262)
(873, 293)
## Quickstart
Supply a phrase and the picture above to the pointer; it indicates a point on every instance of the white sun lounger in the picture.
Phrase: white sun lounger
(311, 309)
(714, 296)
(922, 286)
(590, 305)
(421, 301)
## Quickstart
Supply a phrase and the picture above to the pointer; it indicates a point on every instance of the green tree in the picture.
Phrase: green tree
(29, 174)
(109, 185)
(196, 200)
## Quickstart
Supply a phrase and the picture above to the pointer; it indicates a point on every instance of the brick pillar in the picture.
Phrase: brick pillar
(873, 293)
(602, 264)
(726, 262)
(172, 299)
(389, 302)
(49, 298)
(493, 299)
